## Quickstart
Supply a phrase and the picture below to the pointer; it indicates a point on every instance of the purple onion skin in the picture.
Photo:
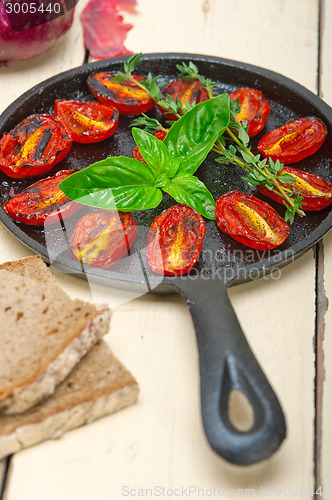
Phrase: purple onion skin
(15, 46)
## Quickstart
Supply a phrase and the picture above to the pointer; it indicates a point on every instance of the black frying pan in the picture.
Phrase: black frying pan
(226, 361)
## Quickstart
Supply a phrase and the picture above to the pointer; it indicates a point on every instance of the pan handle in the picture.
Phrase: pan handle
(227, 363)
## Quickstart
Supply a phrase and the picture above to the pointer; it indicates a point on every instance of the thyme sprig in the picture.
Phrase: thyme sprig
(148, 124)
(149, 85)
(190, 72)
(260, 171)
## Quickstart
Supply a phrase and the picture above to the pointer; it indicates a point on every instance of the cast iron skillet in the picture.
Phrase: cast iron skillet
(226, 361)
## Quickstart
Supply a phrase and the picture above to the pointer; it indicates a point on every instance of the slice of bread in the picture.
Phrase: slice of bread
(30, 267)
(98, 385)
(43, 334)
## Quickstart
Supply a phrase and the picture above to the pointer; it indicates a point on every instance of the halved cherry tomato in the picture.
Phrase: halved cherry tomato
(175, 240)
(87, 122)
(250, 221)
(185, 90)
(160, 134)
(42, 200)
(102, 238)
(34, 146)
(294, 141)
(127, 97)
(254, 108)
(315, 191)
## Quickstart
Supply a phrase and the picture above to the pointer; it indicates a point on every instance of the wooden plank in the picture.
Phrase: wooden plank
(160, 441)
(326, 285)
(279, 35)
(19, 76)
(16, 78)
(2, 474)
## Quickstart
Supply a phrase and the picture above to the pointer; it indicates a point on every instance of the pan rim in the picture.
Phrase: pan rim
(263, 266)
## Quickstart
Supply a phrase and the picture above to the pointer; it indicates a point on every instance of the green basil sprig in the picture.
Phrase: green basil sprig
(127, 184)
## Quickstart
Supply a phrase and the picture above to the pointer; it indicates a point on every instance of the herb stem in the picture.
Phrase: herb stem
(219, 148)
(278, 189)
(277, 186)
(136, 82)
(238, 142)
(282, 191)
(159, 103)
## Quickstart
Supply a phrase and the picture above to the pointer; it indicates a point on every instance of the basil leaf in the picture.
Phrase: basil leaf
(115, 183)
(193, 135)
(152, 149)
(190, 190)
(172, 167)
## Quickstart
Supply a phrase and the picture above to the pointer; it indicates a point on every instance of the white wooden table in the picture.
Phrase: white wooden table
(160, 441)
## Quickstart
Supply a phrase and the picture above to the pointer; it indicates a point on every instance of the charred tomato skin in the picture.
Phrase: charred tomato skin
(101, 238)
(160, 134)
(293, 141)
(87, 122)
(127, 97)
(250, 221)
(42, 202)
(34, 146)
(316, 192)
(185, 90)
(175, 240)
(254, 108)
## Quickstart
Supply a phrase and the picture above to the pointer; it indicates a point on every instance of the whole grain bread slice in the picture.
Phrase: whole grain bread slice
(97, 386)
(31, 267)
(43, 334)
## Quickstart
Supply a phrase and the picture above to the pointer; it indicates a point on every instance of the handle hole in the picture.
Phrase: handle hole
(240, 411)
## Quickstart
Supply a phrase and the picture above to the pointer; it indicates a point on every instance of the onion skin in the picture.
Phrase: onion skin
(15, 46)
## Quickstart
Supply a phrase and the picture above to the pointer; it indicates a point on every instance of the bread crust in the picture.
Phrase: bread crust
(19, 399)
(98, 386)
(20, 394)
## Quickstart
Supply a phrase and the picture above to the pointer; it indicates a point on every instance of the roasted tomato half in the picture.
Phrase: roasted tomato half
(254, 108)
(42, 201)
(250, 221)
(102, 238)
(294, 141)
(34, 146)
(185, 90)
(161, 134)
(175, 240)
(87, 121)
(315, 191)
(127, 97)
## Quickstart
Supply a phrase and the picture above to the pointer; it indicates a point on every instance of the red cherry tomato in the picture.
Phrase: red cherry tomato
(254, 108)
(34, 146)
(175, 240)
(42, 201)
(102, 238)
(250, 221)
(160, 134)
(315, 191)
(127, 97)
(185, 90)
(294, 141)
(87, 121)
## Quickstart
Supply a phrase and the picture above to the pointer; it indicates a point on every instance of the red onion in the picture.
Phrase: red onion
(17, 45)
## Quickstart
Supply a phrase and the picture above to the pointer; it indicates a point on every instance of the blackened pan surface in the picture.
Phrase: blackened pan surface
(221, 256)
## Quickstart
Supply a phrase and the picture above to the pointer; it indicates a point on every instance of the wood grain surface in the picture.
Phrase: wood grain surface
(160, 441)
(325, 464)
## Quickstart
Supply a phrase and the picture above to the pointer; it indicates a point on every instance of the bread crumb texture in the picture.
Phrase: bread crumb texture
(97, 386)
(43, 335)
